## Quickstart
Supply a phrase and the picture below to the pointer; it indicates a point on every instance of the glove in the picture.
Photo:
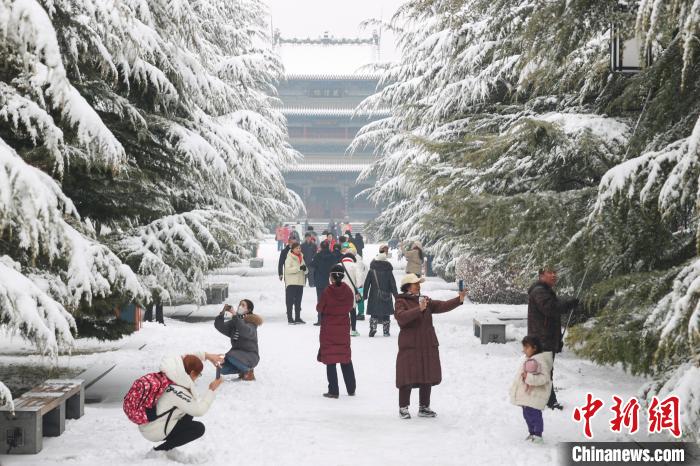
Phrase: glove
(303, 268)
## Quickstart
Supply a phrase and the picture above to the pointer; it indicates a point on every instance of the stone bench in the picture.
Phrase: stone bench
(490, 331)
(216, 293)
(256, 263)
(40, 412)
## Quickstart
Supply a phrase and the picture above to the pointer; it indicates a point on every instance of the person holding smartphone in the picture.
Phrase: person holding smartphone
(242, 330)
(418, 360)
(181, 402)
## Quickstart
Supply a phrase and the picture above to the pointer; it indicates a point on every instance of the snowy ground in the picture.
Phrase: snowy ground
(281, 419)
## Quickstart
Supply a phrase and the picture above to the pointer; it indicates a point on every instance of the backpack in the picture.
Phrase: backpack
(140, 401)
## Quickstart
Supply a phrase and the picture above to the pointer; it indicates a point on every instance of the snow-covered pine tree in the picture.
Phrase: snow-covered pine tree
(155, 121)
(505, 121)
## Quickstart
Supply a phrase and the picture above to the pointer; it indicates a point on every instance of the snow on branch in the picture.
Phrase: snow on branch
(31, 313)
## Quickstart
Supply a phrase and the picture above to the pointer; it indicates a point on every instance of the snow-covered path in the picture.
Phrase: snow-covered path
(281, 419)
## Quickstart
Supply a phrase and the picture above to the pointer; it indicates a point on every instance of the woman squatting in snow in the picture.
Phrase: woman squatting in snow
(532, 385)
(418, 360)
(242, 329)
(334, 308)
(180, 402)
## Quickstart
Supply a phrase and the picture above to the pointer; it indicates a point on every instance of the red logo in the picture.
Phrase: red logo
(627, 416)
(587, 412)
(665, 415)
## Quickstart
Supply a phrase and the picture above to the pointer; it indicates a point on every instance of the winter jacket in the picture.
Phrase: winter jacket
(540, 384)
(418, 360)
(243, 332)
(181, 397)
(544, 312)
(414, 262)
(322, 265)
(293, 275)
(384, 281)
(282, 259)
(334, 309)
(309, 251)
(353, 271)
(359, 244)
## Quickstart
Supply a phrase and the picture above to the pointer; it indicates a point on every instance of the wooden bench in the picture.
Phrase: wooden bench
(490, 330)
(216, 293)
(40, 412)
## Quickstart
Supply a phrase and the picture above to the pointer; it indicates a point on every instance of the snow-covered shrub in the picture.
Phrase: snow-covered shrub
(487, 282)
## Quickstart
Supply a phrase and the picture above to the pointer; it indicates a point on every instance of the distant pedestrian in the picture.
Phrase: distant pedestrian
(414, 259)
(242, 329)
(379, 291)
(544, 312)
(157, 305)
(309, 250)
(532, 386)
(321, 266)
(418, 360)
(359, 244)
(334, 309)
(352, 278)
(294, 234)
(281, 237)
(294, 278)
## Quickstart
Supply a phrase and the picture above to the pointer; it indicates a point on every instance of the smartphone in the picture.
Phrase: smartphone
(218, 372)
(461, 285)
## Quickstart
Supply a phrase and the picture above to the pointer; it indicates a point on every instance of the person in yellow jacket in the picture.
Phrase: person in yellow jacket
(294, 279)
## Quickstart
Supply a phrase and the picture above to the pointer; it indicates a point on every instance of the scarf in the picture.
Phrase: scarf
(298, 256)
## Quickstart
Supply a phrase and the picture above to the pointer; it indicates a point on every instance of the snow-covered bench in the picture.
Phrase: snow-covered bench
(490, 330)
(216, 293)
(40, 412)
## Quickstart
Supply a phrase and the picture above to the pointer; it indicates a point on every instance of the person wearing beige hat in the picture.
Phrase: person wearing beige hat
(418, 360)
(414, 259)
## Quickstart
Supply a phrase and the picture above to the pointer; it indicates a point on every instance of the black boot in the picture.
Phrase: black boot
(298, 318)
(290, 321)
(385, 325)
(372, 326)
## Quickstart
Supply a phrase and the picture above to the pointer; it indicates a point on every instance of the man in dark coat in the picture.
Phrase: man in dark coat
(359, 244)
(283, 258)
(309, 249)
(378, 290)
(334, 307)
(418, 360)
(242, 329)
(544, 312)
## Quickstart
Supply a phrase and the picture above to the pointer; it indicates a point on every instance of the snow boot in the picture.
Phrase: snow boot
(298, 318)
(537, 440)
(425, 411)
(331, 395)
(372, 326)
(247, 376)
(386, 325)
(354, 333)
(404, 414)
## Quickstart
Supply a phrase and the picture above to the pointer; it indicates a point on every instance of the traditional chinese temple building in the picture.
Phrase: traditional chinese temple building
(323, 86)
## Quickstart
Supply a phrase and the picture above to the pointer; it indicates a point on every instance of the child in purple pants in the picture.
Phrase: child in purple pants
(532, 385)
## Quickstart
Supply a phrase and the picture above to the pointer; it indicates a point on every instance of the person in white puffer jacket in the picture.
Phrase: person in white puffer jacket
(354, 279)
(532, 384)
(180, 402)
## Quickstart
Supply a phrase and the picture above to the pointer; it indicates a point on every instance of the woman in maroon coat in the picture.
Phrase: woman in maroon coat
(418, 361)
(334, 309)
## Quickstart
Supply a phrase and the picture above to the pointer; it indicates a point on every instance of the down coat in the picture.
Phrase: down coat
(243, 332)
(540, 384)
(180, 398)
(334, 308)
(418, 361)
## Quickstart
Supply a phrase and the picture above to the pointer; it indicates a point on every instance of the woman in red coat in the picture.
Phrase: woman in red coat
(418, 361)
(334, 313)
